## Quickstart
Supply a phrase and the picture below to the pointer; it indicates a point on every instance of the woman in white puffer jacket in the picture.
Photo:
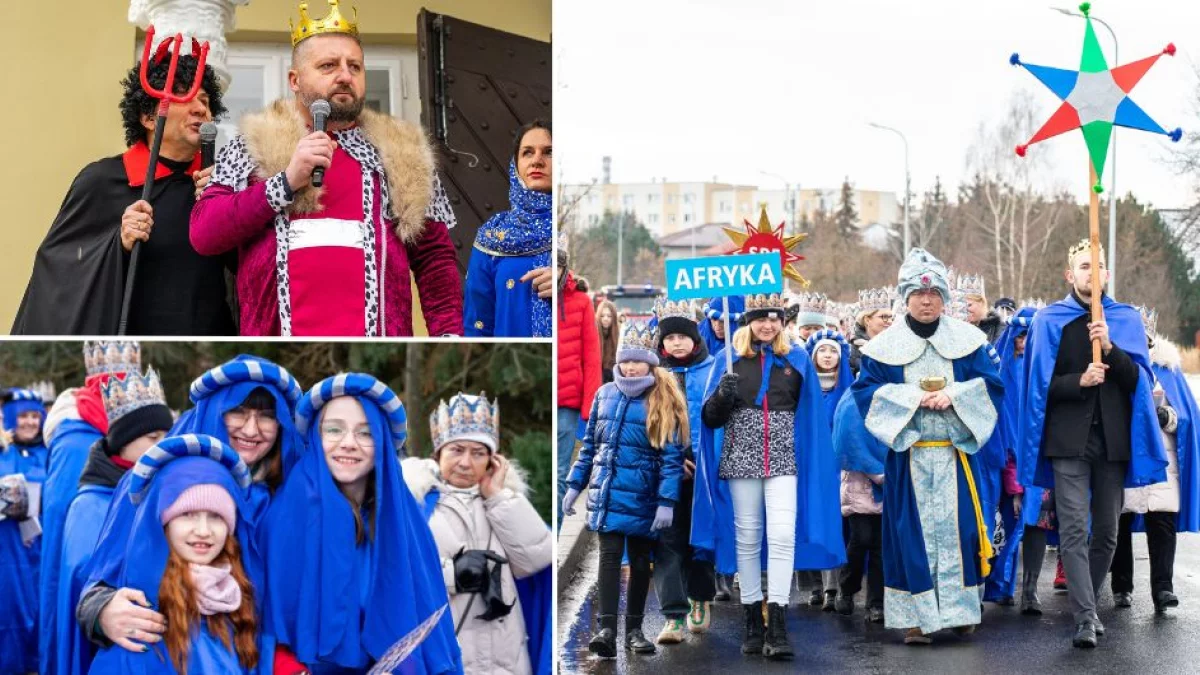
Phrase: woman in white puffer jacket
(1158, 504)
(487, 532)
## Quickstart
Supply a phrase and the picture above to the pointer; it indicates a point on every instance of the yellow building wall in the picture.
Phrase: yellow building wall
(66, 58)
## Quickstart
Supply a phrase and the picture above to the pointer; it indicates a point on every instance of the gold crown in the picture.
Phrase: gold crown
(333, 23)
(766, 301)
(667, 308)
(1082, 246)
(1149, 319)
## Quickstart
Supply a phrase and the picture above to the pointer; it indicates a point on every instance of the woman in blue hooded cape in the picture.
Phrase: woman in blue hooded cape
(214, 394)
(19, 562)
(345, 586)
(1036, 503)
(713, 312)
(508, 246)
(843, 378)
(158, 480)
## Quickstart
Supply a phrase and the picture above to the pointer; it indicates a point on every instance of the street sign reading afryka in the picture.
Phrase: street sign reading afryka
(721, 275)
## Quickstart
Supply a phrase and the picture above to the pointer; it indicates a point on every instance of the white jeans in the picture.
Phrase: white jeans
(748, 496)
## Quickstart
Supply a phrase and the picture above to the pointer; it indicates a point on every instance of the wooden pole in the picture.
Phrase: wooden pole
(1094, 234)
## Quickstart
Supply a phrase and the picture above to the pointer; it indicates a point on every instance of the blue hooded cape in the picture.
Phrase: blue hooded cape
(158, 479)
(1148, 461)
(509, 244)
(68, 451)
(844, 377)
(332, 601)
(1187, 444)
(18, 563)
(712, 310)
(1002, 581)
(819, 542)
(855, 448)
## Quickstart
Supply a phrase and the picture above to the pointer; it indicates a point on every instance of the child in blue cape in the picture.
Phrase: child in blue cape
(353, 567)
(631, 464)
(183, 552)
(247, 403)
(23, 462)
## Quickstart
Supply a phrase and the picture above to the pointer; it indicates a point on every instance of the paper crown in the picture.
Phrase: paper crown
(812, 303)
(1149, 319)
(876, 299)
(957, 307)
(765, 302)
(45, 389)
(636, 335)
(665, 309)
(109, 358)
(1084, 245)
(333, 23)
(968, 284)
(122, 397)
(466, 418)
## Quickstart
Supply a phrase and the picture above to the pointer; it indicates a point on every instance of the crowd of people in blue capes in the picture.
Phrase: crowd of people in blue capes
(806, 447)
(265, 529)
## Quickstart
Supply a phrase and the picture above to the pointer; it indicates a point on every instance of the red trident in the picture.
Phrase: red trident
(166, 96)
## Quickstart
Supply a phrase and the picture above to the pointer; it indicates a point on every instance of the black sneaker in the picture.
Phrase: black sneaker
(1123, 600)
(636, 642)
(844, 605)
(874, 615)
(1164, 600)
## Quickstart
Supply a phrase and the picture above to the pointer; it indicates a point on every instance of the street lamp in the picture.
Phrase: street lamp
(1112, 168)
(788, 198)
(907, 180)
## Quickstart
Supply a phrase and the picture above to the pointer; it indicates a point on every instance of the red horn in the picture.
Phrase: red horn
(164, 49)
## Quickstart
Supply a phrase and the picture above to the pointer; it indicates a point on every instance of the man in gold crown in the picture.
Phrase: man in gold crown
(329, 225)
(1088, 429)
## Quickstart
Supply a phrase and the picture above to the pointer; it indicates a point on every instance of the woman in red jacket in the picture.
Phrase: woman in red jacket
(578, 365)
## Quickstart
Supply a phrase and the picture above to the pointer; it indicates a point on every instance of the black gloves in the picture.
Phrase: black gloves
(718, 408)
(727, 388)
(470, 569)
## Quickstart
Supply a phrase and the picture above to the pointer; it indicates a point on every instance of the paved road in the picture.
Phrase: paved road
(1008, 643)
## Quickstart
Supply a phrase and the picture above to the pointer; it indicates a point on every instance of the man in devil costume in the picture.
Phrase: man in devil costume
(80, 271)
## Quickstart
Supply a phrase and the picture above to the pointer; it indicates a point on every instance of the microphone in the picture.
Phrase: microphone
(320, 112)
(208, 144)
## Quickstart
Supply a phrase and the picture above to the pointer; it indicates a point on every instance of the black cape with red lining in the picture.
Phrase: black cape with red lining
(78, 277)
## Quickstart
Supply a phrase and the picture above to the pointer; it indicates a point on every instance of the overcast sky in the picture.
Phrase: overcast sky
(692, 89)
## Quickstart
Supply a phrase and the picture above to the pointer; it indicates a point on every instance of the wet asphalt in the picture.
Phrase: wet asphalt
(1138, 640)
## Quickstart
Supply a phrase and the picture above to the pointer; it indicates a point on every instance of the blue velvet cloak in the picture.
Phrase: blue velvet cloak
(819, 542)
(68, 454)
(72, 651)
(19, 570)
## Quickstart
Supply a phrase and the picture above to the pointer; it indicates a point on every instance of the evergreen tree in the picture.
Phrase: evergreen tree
(846, 216)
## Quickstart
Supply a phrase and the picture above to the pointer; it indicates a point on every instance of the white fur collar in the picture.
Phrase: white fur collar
(423, 475)
(1165, 353)
(64, 408)
(900, 346)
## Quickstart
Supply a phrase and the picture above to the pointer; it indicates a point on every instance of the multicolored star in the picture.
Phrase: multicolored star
(765, 238)
(1095, 98)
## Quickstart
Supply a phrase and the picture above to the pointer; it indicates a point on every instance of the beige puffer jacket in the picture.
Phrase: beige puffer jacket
(1160, 497)
(508, 525)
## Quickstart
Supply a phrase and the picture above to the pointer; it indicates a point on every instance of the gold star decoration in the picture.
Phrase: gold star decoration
(765, 238)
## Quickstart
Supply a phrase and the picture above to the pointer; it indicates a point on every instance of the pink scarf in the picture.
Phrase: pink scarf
(217, 592)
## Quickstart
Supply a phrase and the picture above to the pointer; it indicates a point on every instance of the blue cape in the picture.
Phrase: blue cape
(819, 542)
(536, 594)
(1148, 461)
(335, 602)
(19, 571)
(145, 554)
(844, 377)
(1187, 444)
(72, 651)
(855, 447)
(712, 310)
(68, 453)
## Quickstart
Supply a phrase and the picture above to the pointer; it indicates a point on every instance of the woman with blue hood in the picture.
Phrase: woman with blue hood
(510, 280)
(184, 553)
(354, 572)
(766, 466)
(830, 354)
(22, 463)
(138, 418)
(246, 403)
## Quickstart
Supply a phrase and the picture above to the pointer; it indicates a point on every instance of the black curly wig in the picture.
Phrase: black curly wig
(135, 103)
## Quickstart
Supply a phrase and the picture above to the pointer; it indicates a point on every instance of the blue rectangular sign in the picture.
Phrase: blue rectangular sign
(720, 275)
